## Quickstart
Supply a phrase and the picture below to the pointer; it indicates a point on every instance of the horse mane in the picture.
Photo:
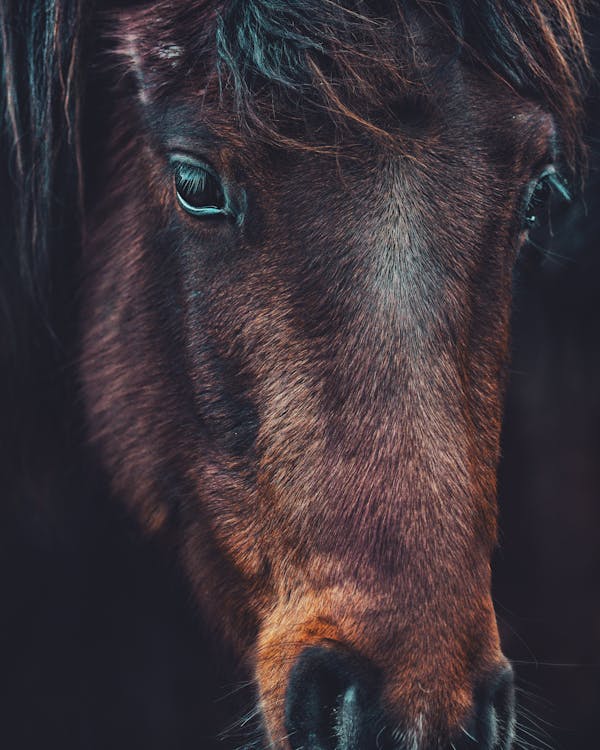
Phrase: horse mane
(41, 195)
(351, 58)
(536, 47)
(40, 144)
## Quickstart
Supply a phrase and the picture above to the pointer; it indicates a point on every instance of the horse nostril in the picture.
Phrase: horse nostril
(330, 701)
(492, 724)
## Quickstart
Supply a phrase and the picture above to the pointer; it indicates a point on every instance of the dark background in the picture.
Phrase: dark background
(100, 646)
(547, 569)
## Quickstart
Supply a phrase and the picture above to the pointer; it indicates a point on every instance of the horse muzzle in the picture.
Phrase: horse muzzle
(334, 702)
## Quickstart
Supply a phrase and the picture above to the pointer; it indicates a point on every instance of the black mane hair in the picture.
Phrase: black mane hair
(536, 47)
(351, 58)
(41, 194)
(41, 178)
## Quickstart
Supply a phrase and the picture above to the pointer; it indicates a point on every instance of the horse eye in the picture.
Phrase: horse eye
(199, 190)
(540, 196)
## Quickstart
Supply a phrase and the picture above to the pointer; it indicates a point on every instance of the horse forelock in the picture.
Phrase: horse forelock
(349, 60)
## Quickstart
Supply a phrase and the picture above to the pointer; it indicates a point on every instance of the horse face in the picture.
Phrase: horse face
(294, 362)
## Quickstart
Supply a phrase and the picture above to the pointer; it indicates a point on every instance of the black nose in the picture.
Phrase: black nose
(331, 702)
(491, 726)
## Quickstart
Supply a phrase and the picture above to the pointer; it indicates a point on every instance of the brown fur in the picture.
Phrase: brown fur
(311, 402)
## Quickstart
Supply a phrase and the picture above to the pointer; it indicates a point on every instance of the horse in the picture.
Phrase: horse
(262, 252)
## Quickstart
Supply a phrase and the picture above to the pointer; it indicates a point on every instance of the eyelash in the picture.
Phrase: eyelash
(198, 188)
(539, 197)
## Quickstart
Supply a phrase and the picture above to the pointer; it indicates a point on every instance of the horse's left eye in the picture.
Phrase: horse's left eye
(199, 190)
(539, 198)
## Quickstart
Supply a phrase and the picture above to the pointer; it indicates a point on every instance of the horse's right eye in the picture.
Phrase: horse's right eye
(539, 197)
(199, 190)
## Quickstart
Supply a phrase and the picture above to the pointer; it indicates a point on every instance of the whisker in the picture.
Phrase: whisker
(239, 687)
(470, 736)
(535, 719)
(533, 736)
(241, 722)
(520, 742)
